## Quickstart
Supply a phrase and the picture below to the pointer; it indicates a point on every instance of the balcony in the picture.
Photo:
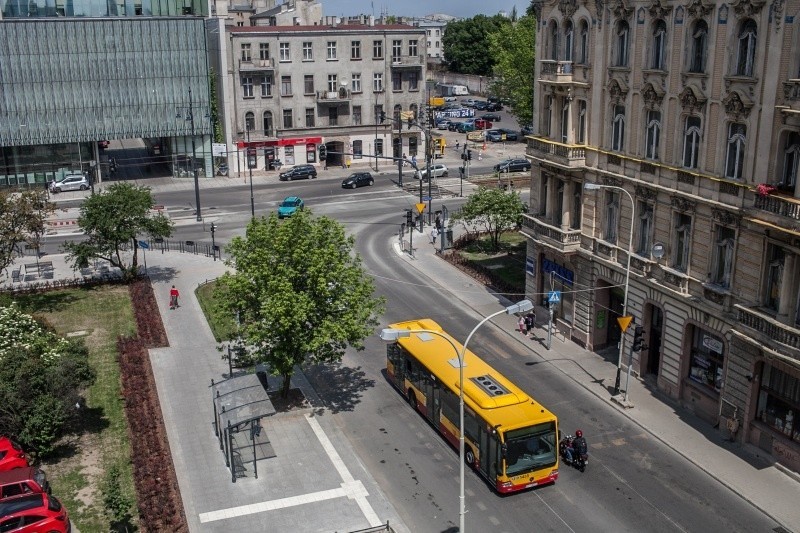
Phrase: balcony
(256, 65)
(556, 71)
(568, 241)
(570, 155)
(400, 62)
(343, 95)
(783, 206)
(770, 330)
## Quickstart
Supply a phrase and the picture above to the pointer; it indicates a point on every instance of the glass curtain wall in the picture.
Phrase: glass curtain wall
(28, 9)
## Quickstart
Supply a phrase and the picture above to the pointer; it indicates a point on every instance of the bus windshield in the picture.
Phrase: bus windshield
(530, 448)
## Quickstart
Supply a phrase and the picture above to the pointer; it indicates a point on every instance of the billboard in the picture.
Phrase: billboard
(463, 112)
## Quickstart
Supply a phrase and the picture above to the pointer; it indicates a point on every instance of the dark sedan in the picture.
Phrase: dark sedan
(513, 165)
(357, 179)
(492, 117)
(453, 126)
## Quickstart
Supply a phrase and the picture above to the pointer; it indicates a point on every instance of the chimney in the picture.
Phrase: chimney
(371, 20)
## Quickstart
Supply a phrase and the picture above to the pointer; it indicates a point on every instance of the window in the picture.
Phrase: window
(263, 51)
(707, 360)
(249, 121)
(747, 49)
(414, 111)
(396, 115)
(355, 50)
(612, 217)
(266, 86)
(377, 82)
(331, 50)
(735, 158)
(618, 130)
(544, 195)
(284, 52)
(308, 84)
(779, 399)
(397, 81)
(565, 121)
(333, 80)
(378, 113)
(286, 86)
(355, 82)
(691, 142)
(581, 121)
(377, 49)
(645, 229)
(553, 41)
(358, 149)
(246, 53)
(308, 52)
(267, 119)
(357, 116)
(546, 114)
(621, 46)
(413, 51)
(378, 146)
(583, 43)
(558, 209)
(658, 61)
(774, 276)
(683, 239)
(309, 117)
(791, 156)
(247, 87)
(397, 50)
(568, 37)
(697, 62)
(577, 202)
(413, 81)
(653, 134)
(287, 119)
(722, 258)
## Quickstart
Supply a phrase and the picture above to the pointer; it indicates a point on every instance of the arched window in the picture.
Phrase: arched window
(547, 114)
(691, 142)
(249, 121)
(791, 158)
(583, 43)
(553, 40)
(659, 45)
(565, 121)
(568, 38)
(621, 46)
(618, 129)
(267, 118)
(697, 61)
(747, 49)
(653, 134)
(734, 161)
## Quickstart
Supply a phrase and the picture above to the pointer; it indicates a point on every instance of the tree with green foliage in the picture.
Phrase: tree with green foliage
(22, 221)
(41, 377)
(513, 48)
(113, 219)
(300, 292)
(493, 210)
(117, 504)
(466, 44)
(216, 127)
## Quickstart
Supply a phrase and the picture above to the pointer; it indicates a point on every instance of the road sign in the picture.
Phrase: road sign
(426, 198)
(554, 297)
(420, 208)
(144, 245)
(624, 322)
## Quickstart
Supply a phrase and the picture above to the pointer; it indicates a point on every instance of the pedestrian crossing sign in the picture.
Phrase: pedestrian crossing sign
(554, 297)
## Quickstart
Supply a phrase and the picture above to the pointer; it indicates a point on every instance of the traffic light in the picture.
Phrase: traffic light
(410, 122)
(638, 340)
(409, 217)
(112, 165)
(383, 116)
(323, 152)
(469, 155)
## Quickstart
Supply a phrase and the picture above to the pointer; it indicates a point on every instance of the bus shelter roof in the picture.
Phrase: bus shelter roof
(241, 399)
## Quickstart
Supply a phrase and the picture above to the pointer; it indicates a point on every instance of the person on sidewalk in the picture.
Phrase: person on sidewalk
(579, 447)
(173, 298)
(530, 321)
(521, 325)
(457, 144)
(434, 234)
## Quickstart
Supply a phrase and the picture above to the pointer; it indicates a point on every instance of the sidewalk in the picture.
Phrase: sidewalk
(771, 489)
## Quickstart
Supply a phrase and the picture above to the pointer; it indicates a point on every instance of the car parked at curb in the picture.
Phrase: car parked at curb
(357, 179)
(11, 455)
(494, 117)
(70, 182)
(501, 134)
(298, 172)
(290, 206)
(443, 124)
(527, 130)
(33, 513)
(453, 125)
(513, 165)
(464, 127)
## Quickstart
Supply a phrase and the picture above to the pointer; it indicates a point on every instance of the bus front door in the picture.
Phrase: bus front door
(488, 453)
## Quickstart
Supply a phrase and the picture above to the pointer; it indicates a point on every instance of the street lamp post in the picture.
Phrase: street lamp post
(595, 187)
(213, 229)
(190, 118)
(250, 169)
(389, 334)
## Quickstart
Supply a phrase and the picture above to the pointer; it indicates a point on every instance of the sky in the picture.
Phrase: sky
(420, 8)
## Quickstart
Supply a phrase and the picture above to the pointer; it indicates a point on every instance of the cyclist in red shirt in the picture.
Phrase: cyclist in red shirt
(173, 297)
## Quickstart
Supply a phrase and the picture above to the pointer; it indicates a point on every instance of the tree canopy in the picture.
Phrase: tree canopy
(22, 217)
(113, 219)
(300, 292)
(513, 48)
(41, 376)
(466, 44)
(493, 210)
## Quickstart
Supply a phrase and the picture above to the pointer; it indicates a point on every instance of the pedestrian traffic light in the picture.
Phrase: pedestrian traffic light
(323, 152)
(409, 217)
(383, 116)
(463, 156)
(469, 155)
(113, 165)
(638, 340)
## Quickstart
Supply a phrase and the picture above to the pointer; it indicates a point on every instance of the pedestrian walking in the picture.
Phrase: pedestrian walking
(405, 161)
(173, 298)
(457, 144)
(434, 234)
(530, 321)
(522, 325)
(438, 223)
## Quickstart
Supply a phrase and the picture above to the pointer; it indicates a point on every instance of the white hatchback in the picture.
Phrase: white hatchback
(437, 171)
(70, 182)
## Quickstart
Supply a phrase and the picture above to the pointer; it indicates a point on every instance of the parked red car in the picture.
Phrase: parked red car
(482, 124)
(11, 455)
(28, 480)
(33, 513)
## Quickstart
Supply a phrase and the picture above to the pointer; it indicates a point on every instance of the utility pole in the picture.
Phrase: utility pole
(550, 306)
(400, 159)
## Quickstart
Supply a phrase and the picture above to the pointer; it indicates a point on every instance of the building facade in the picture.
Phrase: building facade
(684, 117)
(292, 88)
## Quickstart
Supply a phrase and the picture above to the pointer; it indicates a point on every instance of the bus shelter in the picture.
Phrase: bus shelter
(239, 405)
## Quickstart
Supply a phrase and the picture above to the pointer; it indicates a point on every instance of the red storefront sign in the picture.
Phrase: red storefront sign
(289, 141)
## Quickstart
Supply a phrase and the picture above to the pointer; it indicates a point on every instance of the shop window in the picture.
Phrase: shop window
(779, 401)
(311, 153)
(378, 146)
(707, 360)
(288, 155)
(358, 149)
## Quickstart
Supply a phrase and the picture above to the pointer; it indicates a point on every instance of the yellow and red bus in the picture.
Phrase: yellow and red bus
(509, 437)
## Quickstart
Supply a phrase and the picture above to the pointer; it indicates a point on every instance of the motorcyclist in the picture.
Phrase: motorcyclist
(578, 446)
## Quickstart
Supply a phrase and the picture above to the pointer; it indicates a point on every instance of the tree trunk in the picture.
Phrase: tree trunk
(287, 381)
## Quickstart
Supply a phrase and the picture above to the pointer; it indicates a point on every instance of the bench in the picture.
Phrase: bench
(16, 275)
(39, 268)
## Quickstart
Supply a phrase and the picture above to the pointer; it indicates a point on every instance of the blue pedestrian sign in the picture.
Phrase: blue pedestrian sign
(554, 297)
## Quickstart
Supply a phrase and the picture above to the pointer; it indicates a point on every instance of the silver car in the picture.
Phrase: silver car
(437, 171)
(70, 182)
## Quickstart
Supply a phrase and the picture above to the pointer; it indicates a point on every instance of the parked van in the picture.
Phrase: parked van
(460, 90)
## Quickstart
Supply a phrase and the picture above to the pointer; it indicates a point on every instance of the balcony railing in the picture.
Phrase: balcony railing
(257, 64)
(406, 61)
(565, 154)
(565, 241)
(557, 70)
(342, 95)
(769, 327)
(778, 205)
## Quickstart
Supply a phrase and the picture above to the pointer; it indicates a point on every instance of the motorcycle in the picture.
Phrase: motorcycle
(578, 460)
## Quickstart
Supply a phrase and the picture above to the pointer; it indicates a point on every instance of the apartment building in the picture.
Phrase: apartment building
(684, 119)
(295, 87)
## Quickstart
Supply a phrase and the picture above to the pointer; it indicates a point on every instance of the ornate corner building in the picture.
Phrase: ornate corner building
(684, 119)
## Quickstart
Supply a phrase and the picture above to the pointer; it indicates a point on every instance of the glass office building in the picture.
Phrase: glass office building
(26, 9)
(66, 84)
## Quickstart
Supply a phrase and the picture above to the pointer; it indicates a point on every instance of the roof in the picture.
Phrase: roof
(291, 199)
(326, 28)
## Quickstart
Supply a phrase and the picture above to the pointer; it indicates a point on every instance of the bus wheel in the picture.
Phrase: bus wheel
(412, 399)
(469, 456)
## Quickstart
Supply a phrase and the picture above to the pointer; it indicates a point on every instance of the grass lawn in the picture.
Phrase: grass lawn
(76, 476)
(223, 328)
(508, 263)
